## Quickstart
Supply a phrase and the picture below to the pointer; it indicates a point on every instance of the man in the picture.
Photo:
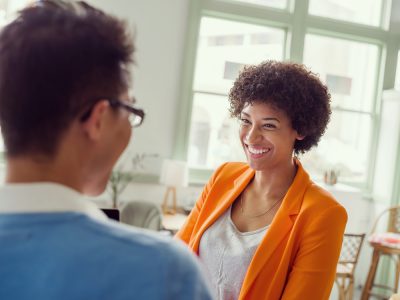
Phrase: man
(66, 117)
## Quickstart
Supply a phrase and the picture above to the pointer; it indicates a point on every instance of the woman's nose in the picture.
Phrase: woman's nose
(253, 135)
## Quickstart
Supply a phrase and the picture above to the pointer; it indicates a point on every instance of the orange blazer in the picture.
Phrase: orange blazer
(298, 255)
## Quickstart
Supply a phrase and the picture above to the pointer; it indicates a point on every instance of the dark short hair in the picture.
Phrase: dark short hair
(291, 88)
(55, 58)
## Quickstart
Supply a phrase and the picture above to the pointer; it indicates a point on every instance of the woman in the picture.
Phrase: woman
(263, 229)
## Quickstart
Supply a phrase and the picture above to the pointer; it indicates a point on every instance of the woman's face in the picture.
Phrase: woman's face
(267, 136)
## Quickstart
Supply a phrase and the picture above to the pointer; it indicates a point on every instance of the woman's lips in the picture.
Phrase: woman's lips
(256, 151)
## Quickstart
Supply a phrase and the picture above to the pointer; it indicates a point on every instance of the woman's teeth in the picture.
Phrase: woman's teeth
(258, 151)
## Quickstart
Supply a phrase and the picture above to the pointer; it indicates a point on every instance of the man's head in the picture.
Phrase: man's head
(60, 64)
(56, 58)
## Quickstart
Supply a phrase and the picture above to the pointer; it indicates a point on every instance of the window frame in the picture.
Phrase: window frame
(376, 105)
(296, 22)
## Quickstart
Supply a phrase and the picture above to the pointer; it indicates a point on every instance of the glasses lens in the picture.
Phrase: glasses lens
(135, 120)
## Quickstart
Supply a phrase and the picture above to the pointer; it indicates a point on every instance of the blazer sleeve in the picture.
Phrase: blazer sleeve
(313, 272)
(187, 230)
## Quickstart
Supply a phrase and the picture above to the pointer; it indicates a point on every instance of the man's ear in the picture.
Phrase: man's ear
(94, 124)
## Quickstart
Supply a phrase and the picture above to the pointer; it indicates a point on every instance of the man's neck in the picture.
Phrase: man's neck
(39, 169)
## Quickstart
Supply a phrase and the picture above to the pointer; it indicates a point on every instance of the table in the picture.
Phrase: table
(174, 222)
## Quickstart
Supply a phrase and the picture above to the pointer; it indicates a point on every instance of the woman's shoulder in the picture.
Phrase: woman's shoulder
(321, 210)
(318, 200)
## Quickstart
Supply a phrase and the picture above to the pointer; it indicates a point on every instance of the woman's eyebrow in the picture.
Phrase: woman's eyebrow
(265, 119)
(272, 119)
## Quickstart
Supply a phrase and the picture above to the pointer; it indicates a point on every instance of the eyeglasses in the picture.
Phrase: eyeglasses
(136, 116)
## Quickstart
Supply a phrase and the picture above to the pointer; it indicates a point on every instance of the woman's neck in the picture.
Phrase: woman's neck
(275, 182)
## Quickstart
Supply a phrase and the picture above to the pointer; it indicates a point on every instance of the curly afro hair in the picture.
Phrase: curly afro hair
(291, 88)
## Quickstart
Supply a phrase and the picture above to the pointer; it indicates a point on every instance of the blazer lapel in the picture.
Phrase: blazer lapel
(223, 203)
(279, 229)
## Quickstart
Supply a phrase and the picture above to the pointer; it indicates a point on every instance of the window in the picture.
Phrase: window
(367, 12)
(347, 55)
(213, 134)
(8, 9)
(224, 47)
(350, 75)
(273, 3)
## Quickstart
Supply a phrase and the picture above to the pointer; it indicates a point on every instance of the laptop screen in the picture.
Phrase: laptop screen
(111, 213)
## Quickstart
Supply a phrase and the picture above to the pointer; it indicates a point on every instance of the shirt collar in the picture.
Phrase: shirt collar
(45, 197)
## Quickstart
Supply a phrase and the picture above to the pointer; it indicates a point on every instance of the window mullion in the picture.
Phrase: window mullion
(210, 93)
(338, 108)
(297, 32)
(385, 14)
(246, 12)
(185, 105)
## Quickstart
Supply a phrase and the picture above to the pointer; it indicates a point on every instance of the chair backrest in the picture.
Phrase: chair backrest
(142, 214)
(393, 220)
(351, 248)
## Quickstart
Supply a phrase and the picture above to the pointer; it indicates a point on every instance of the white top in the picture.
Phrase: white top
(45, 197)
(226, 253)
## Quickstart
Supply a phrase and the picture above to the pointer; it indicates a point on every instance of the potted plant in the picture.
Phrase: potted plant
(120, 178)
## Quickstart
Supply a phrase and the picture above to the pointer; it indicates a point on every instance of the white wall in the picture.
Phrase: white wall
(160, 28)
(160, 31)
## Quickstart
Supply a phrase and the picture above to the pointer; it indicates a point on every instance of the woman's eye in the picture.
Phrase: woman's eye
(269, 126)
(244, 122)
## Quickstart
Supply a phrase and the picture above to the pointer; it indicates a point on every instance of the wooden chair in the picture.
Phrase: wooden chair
(349, 254)
(383, 246)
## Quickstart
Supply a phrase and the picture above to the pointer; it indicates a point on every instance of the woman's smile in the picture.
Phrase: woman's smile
(256, 152)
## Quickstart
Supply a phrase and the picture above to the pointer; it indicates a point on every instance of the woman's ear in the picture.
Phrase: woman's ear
(96, 121)
(300, 137)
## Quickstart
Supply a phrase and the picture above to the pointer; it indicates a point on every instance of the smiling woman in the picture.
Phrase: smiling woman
(266, 135)
(263, 229)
